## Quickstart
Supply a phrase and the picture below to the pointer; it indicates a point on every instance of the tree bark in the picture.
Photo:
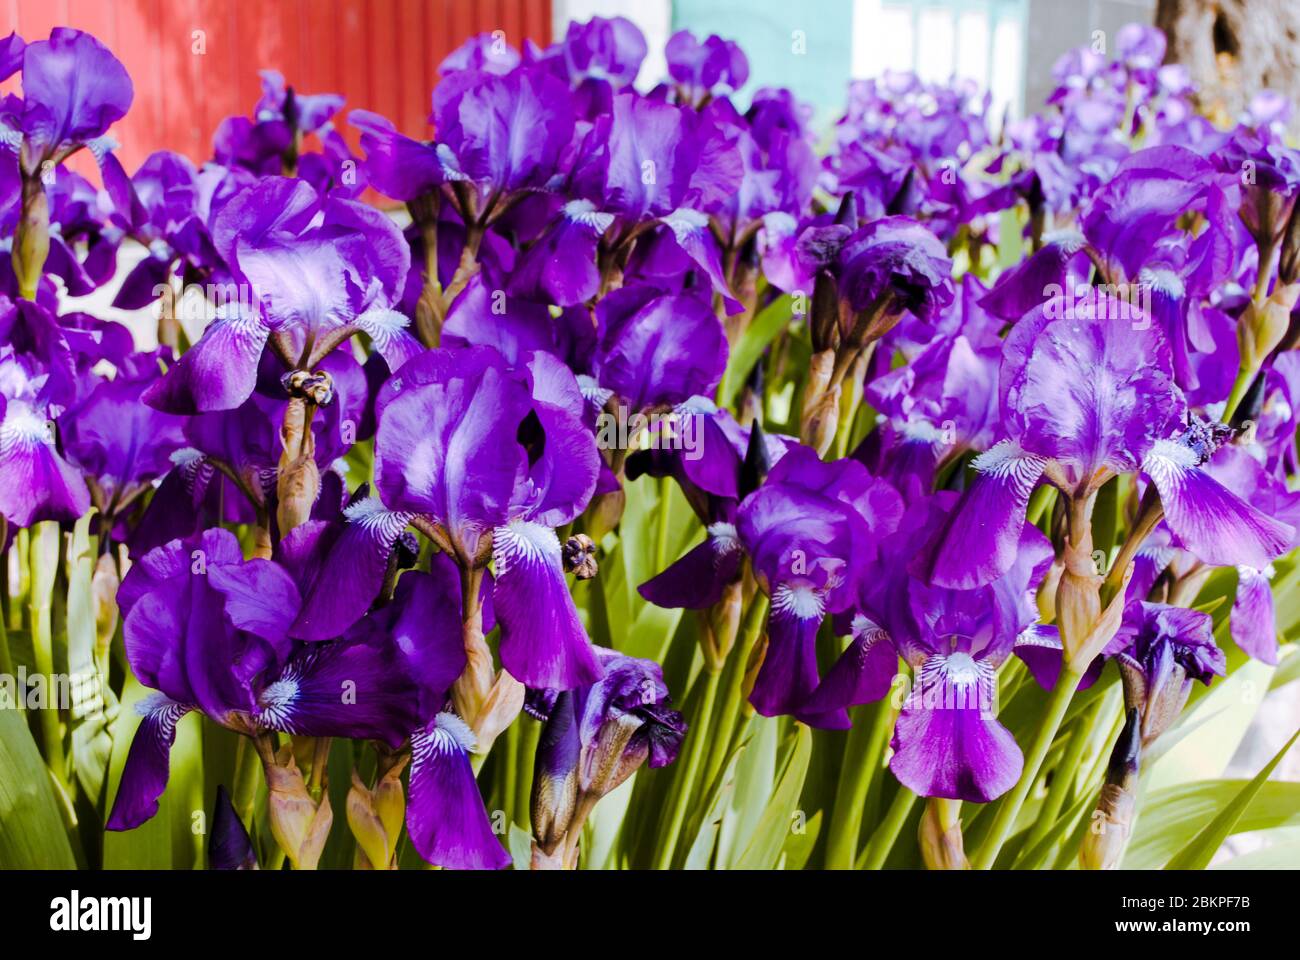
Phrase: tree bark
(1234, 49)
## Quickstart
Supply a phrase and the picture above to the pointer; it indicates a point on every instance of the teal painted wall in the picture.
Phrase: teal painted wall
(768, 32)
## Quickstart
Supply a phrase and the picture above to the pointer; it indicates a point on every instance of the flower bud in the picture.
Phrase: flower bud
(376, 816)
(103, 588)
(604, 513)
(1263, 325)
(1085, 627)
(31, 244)
(229, 846)
(502, 705)
(942, 847)
(555, 776)
(579, 556)
(299, 825)
(720, 625)
(1107, 837)
(298, 483)
(821, 404)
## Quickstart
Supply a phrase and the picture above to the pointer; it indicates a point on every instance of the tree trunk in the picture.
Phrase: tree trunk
(1234, 48)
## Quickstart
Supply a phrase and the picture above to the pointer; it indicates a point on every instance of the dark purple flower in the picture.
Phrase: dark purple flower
(36, 482)
(445, 814)
(208, 630)
(810, 532)
(654, 350)
(505, 131)
(704, 68)
(313, 271)
(1160, 651)
(1087, 393)
(497, 457)
(595, 737)
(73, 90)
(117, 439)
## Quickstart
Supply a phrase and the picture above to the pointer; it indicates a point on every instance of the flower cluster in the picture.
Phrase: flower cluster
(962, 401)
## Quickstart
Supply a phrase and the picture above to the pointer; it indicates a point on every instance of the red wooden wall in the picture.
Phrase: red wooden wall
(381, 54)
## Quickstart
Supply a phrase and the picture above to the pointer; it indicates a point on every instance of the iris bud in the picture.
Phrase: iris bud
(376, 816)
(31, 237)
(1104, 844)
(1263, 325)
(942, 847)
(555, 775)
(821, 405)
(579, 555)
(300, 825)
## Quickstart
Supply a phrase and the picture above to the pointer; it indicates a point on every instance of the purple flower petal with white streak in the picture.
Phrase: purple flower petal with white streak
(345, 688)
(560, 267)
(148, 763)
(948, 742)
(789, 672)
(697, 580)
(543, 643)
(35, 482)
(1039, 646)
(217, 373)
(1252, 622)
(981, 537)
(862, 674)
(448, 823)
(1209, 520)
(352, 572)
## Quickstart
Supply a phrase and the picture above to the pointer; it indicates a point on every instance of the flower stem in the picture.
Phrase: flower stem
(1064, 775)
(751, 629)
(688, 766)
(664, 522)
(1009, 810)
(1240, 386)
(248, 769)
(882, 841)
(862, 752)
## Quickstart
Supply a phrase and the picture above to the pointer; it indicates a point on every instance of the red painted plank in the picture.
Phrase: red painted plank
(412, 88)
(381, 40)
(380, 54)
(351, 54)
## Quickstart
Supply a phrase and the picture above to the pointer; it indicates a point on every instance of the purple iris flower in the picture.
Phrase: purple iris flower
(656, 351)
(312, 271)
(271, 141)
(1087, 393)
(1161, 650)
(506, 132)
(496, 457)
(227, 467)
(161, 208)
(57, 117)
(119, 441)
(704, 69)
(208, 631)
(595, 737)
(948, 741)
(603, 48)
(810, 532)
(714, 476)
(36, 482)
(940, 405)
(485, 53)
(1252, 624)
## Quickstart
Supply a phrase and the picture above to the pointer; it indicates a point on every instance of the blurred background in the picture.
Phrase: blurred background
(195, 62)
